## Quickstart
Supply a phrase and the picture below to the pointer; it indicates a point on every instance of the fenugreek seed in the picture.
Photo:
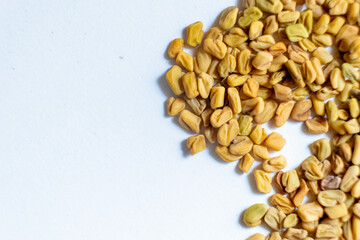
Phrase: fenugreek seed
(352, 126)
(211, 134)
(338, 164)
(262, 60)
(300, 194)
(248, 3)
(244, 62)
(198, 105)
(310, 226)
(330, 67)
(241, 145)
(317, 125)
(174, 106)
(225, 154)
(310, 212)
(235, 80)
(295, 72)
(337, 7)
(331, 111)
(185, 60)
(289, 5)
(356, 153)
(274, 218)
(254, 215)
(268, 113)
(246, 162)
(250, 15)
(258, 134)
(205, 116)
(270, 6)
(326, 93)
(275, 141)
(245, 125)
(195, 34)
(323, 55)
(263, 181)
(215, 33)
(228, 18)
(202, 61)
(196, 144)
(235, 37)
(331, 198)
(274, 236)
(297, 54)
(296, 32)
(312, 168)
(349, 72)
(282, 203)
(318, 11)
(283, 112)
(330, 182)
(350, 178)
(300, 93)
(282, 93)
(327, 231)
(274, 164)
(355, 191)
(307, 45)
(319, 106)
(345, 44)
(221, 116)
(277, 182)
(216, 48)
(260, 152)
(277, 49)
(250, 88)
(217, 97)
(204, 84)
(335, 25)
(262, 43)
(291, 220)
(294, 233)
(255, 30)
(190, 121)
(270, 25)
(356, 209)
(256, 236)
(234, 99)
(175, 47)
(321, 148)
(263, 80)
(290, 181)
(227, 65)
(353, 13)
(337, 211)
(264, 93)
(302, 110)
(320, 79)
(174, 79)
(288, 17)
(228, 132)
(322, 40)
(346, 31)
(190, 85)
(338, 126)
(345, 93)
(278, 63)
(253, 106)
(322, 24)
(356, 227)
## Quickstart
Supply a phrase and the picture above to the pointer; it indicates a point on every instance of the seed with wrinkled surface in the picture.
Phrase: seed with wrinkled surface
(175, 47)
(195, 34)
(210, 134)
(225, 154)
(246, 162)
(228, 18)
(307, 19)
(310, 212)
(330, 198)
(174, 79)
(196, 144)
(190, 85)
(260, 152)
(352, 126)
(255, 30)
(290, 181)
(262, 60)
(270, 107)
(245, 125)
(217, 97)
(328, 231)
(235, 37)
(250, 88)
(258, 134)
(335, 25)
(185, 60)
(283, 112)
(198, 105)
(349, 72)
(337, 80)
(204, 84)
(256, 236)
(356, 153)
(190, 121)
(274, 164)
(337, 211)
(202, 61)
(216, 48)
(307, 45)
(296, 32)
(228, 132)
(277, 49)
(253, 106)
(270, 25)
(244, 62)
(282, 92)
(332, 112)
(274, 218)
(263, 181)
(235, 80)
(295, 72)
(270, 6)
(250, 15)
(174, 106)
(278, 63)
(322, 24)
(330, 182)
(317, 125)
(302, 110)
(241, 145)
(321, 148)
(282, 203)
(227, 65)
(234, 99)
(254, 214)
(275, 141)
(220, 116)
(300, 193)
(323, 55)
(350, 178)
(346, 31)
(262, 43)
(291, 220)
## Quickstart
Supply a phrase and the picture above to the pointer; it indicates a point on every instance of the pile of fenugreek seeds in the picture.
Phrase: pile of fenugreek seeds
(267, 62)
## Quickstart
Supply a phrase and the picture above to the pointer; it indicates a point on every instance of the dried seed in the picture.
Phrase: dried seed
(185, 60)
(244, 64)
(254, 214)
(235, 37)
(262, 60)
(310, 212)
(174, 106)
(282, 93)
(190, 121)
(328, 231)
(317, 125)
(323, 55)
(267, 114)
(296, 32)
(221, 116)
(196, 144)
(322, 24)
(217, 97)
(216, 48)
(290, 181)
(270, 25)
(331, 111)
(301, 193)
(321, 148)
(175, 47)
(302, 110)
(174, 79)
(294, 233)
(234, 100)
(337, 211)
(195, 34)
(225, 154)
(228, 132)
(283, 112)
(350, 178)
(270, 6)
(262, 43)
(190, 85)
(263, 181)
(331, 198)
(250, 15)
(228, 18)
(258, 134)
(253, 106)
(274, 164)
(255, 30)
(282, 203)
(246, 162)
(335, 25)
(241, 145)
(274, 218)
(295, 73)
(260, 152)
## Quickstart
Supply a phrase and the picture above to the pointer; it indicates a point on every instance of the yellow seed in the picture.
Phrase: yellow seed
(294, 233)
(296, 32)
(327, 231)
(175, 47)
(352, 126)
(241, 145)
(262, 43)
(195, 34)
(330, 198)
(174, 79)
(270, 6)
(350, 178)
(337, 7)
(190, 85)
(302, 110)
(235, 37)
(268, 113)
(322, 24)
(356, 153)
(337, 211)
(225, 154)
(310, 212)
(228, 132)
(185, 60)
(190, 121)
(349, 72)
(262, 60)
(346, 31)
(250, 88)
(323, 55)
(227, 65)
(221, 116)
(335, 25)
(278, 63)
(217, 97)
(274, 218)
(204, 84)
(235, 80)
(216, 48)
(260, 152)
(317, 125)
(322, 40)
(274, 164)
(258, 134)
(234, 100)
(295, 72)
(255, 30)
(320, 79)
(196, 144)
(307, 45)
(202, 61)
(253, 106)
(283, 112)
(253, 215)
(270, 25)
(290, 181)
(228, 18)
(275, 141)
(288, 16)
(256, 236)
(250, 15)
(263, 181)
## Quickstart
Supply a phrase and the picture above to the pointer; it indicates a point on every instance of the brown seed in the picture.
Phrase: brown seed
(302, 110)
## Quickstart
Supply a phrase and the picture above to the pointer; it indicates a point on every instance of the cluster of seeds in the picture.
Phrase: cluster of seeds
(270, 62)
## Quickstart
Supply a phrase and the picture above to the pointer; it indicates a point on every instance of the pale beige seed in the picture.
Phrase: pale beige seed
(235, 80)
(196, 144)
(202, 61)
(355, 191)
(282, 93)
(346, 43)
(337, 211)
(318, 11)
(282, 203)
(330, 182)
(332, 112)
(321, 148)
(345, 151)
(228, 17)
(264, 93)
(301, 93)
(307, 19)
(356, 153)
(322, 24)
(228, 132)
(258, 134)
(330, 67)
(263, 181)
(356, 227)
(283, 112)
(322, 40)
(185, 60)
(263, 80)
(174, 106)
(245, 124)
(195, 34)
(216, 48)
(234, 99)
(278, 63)
(174, 79)
(312, 169)
(307, 45)
(190, 85)
(262, 60)
(211, 134)
(274, 164)
(221, 116)
(295, 234)
(175, 47)
(345, 93)
(323, 55)
(235, 37)
(297, 54)
(273, 236)
(190, 121)
(217, 97)
(352, 126)
(262, 43)
(291, 220)
(205, 116)
(320, 79)
(356, 209)
(288, 17)
(204, 84)
(268, 113)
(255, 30)
(330, 198)
(310, 212)
(317, 125)
(250, 15)
(349, 72)
(318, 105)
(256, 236)
(302, 110)
(350, 178)
(354, 107)
(226, 66)
(244, 64)
(346, 31)
(300, 194)
(295, 73)
(338, 126)
(241, 145)
(337, 80)
(314, 187)
(290, 181)
(254, 215)
(198, 105)
(246, 162)
(225, 154)
(253, 106)
(337, 7)
(274, 218)
(260, 152)
(327, 231)
(270, 25)
(215, 33)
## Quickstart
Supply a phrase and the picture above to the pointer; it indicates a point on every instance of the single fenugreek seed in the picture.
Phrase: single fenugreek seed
(185, 60)
(228, 18)
(190, 85)
(296, 32)
(190, 121)
(283, 112)
(274, 164)
(263, 181)
(228, 132)
(196, 144)
(282, 203)
(175, 47)
(255, 30)
(241, 145)
(221, 116)
(174, 79)
(225, 154)
(262, 60)
(217, 97)
(274, 218)
(174, 106)
(253, 106)
(310, 212)
(254, 215)
(195, 34)
(246, 162)
(275, 141)
(260, 152)
(270, 6)
(245, 124)
(302, 110)
(268, 113)
(258, 134)
(290, 181)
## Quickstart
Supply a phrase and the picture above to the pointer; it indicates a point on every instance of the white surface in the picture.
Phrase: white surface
(86, 150)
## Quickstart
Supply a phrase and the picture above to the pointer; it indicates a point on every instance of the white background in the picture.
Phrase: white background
(86, 149)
